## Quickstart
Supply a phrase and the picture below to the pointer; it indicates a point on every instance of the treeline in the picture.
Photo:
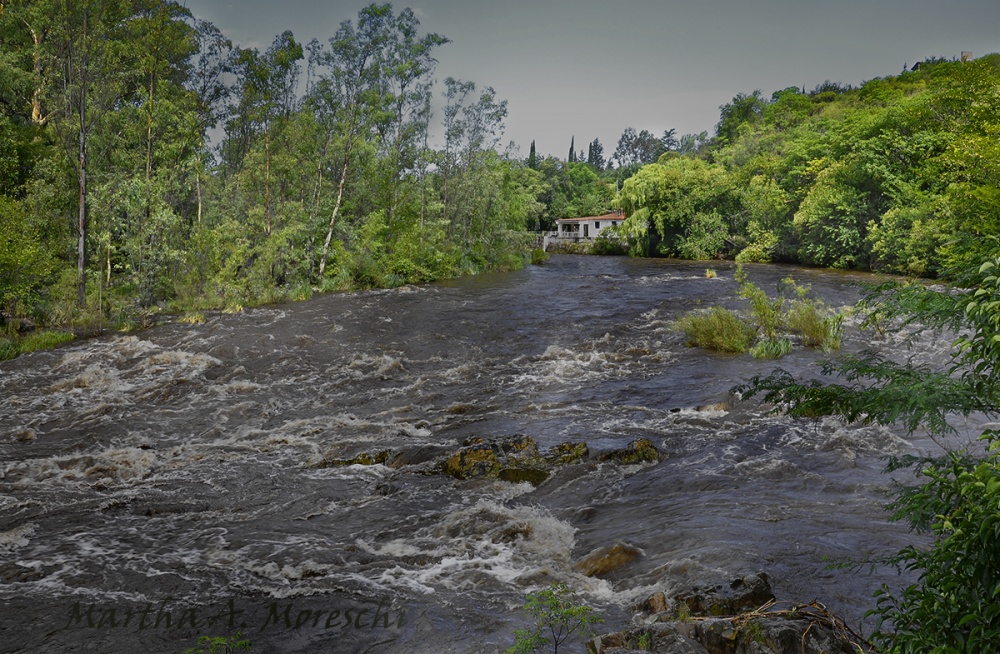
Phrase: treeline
(900, 175)
(145, 160)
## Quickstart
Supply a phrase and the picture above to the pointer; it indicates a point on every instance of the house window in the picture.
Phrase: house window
(597, 225)
(614, 223)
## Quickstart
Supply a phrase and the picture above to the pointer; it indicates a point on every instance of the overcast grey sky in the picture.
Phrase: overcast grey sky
(590, 69)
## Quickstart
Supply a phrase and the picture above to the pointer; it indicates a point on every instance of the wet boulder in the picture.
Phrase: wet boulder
(640, 450)
(743, 594)
(566, 453)
(473, 461)
(513, 458)
(607, 559)
(736, 618)
(363, 459)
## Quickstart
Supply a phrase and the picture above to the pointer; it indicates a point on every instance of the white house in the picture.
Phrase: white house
(585, 229)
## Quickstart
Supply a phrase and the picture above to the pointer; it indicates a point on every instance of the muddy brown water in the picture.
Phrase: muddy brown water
(161, 486)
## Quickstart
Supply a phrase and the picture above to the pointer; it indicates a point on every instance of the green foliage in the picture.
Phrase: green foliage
(897, 176)
(25, 265)
(767, 313)
(44, 340)
(676, 208)
(771, 348)
(558, 616)
(723, 330)
(8, 348)
(220, 645)
(952, 606)
(818, 328)
(717, 329)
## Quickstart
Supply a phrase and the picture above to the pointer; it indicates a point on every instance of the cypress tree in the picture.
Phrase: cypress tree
(572, 152)
(532, 160)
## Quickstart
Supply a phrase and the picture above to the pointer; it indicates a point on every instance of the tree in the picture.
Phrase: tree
(637, 148)
(595, 155)
(572, 151)
(744, 110)
(352, 90)
(558, 618)
(678, 208)
(532, 158)
(669, 140)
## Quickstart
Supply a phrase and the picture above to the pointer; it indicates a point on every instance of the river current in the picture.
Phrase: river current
(167, 484)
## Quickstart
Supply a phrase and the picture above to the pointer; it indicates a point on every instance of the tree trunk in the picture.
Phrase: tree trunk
(81, 244)
(333, 216)
(36, 95)
(267, 181)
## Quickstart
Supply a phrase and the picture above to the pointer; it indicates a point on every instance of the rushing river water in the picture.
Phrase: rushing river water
(164, 485)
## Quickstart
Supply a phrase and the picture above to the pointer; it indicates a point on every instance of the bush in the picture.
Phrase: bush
(816, 324)
(539, 256)
(220, 645)
(558, 618)
(717, 329)
(954, 601)
(766, 313)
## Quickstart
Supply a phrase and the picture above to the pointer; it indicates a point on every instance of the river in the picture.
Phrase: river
(167, 484)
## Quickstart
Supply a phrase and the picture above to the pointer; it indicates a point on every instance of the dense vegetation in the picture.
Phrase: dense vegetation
(145, 161)
(899, 175)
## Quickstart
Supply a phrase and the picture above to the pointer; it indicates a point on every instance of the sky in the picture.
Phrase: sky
(583, 69)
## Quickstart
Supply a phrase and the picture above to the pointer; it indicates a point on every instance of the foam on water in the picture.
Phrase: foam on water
(105, 467)
(16, 538)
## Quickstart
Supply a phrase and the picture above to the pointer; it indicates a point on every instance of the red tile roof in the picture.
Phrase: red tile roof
(607, 216)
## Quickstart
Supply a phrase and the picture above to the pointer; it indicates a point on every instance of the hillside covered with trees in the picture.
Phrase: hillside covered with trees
(899, 175)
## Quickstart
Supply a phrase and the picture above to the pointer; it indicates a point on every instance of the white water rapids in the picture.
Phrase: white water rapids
(163, 485)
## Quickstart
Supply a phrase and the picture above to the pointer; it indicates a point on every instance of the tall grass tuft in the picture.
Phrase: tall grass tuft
(818, 328)
(8, 348)
(717, 329)
(772, 348)
(45, 340)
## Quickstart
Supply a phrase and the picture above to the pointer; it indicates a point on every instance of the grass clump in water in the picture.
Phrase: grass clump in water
(717, 329)
(818, 326)
(806, 318)
(772, 348)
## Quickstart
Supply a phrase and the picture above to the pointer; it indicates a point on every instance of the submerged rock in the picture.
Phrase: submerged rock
(363, 459)
(567, 452)
(514, 459)
(640, 450)
(607, 559)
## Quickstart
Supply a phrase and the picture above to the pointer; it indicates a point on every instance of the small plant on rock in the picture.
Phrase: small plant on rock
(558, 616)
